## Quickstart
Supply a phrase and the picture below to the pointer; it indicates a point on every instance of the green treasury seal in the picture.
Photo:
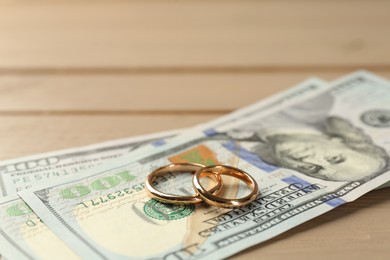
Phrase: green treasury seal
(164, 211)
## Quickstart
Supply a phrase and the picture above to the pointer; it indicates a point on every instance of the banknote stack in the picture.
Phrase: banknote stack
(311, 148)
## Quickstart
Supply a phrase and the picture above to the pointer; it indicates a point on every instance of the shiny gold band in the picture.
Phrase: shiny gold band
(214, 200)
(179, 168)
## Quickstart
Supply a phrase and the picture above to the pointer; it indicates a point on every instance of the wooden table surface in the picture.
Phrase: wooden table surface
(76, 72)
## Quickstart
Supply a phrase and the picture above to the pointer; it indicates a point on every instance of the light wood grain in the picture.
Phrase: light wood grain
(129, 94)
(187, 34)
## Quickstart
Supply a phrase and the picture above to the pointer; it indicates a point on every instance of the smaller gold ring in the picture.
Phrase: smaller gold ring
(177, 168)
(214, 200)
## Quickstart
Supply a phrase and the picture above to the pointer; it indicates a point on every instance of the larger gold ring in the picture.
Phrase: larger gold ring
(177, 168)
(214, 200)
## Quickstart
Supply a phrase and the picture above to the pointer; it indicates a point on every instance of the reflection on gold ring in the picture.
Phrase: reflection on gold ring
(179, 168)
(215, 200)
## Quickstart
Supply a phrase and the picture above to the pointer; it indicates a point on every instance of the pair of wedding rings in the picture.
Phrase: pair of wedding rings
(202, 194)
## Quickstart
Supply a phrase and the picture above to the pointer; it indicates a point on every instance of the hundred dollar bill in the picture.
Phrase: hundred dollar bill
(21, 173)
(308, 156)
(22, 233)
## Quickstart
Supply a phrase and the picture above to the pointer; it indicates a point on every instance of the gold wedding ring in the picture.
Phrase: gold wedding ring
(179, 168)
(214, 200)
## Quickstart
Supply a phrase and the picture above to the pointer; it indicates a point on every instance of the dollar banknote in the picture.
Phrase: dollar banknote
(308, 156)
(22, 173)
(24, 236)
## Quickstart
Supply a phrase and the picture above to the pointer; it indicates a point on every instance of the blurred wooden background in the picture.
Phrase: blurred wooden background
(76, 72)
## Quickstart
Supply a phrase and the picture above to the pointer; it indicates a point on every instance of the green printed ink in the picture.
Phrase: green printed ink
(30, 223)
(126, 176)
(162, 211)
(99, 184)
(105, 183)
(74, 192)
(196, 157)
(18, 210)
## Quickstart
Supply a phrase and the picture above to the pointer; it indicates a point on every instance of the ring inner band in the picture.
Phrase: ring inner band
(215, 200)
(180, 168)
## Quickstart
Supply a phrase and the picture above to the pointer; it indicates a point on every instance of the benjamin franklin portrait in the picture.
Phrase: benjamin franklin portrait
(306, 139)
